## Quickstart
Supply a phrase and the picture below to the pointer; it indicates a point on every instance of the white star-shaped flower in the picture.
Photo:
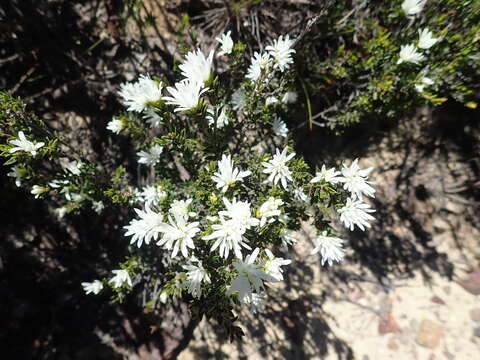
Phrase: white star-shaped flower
(150, 157)
(356, 212)
(139, 95)
(409, 53)
(23, 144)
(412, 7)
(182, 208)
(226, 43)
(228, 236)
(279, 127)
(185, 95)
(259, 62)
(329, 176)
(424, 82)
(249, 277)
(273, 266)
(178, 235)
(234, 221)
(426, 39)
(197, 67)
(92, 288)
(152, 195)
(116, 126)
(356, 180)
(196, 275)
(240, 212)
(121, 277)
(269, 210)
(277, 168)
(152, 118)
(17, 173)
(38, 190)
(281, 51)
(145, 228)
(330, 248)
(227, 175)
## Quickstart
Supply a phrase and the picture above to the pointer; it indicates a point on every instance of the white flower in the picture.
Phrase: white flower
(249, 275)
(152, 195)
(227, 175)
(196, 275)
(259, 62)
(239, 100)
(300, 195)
(152, 118)
(268, 210)
(281, 51)
(426, 39)
(329, 176)
(56, 183)
(229, 233)
(121, 277)
(228, 237)
(288, 238)
(182, 208)
(92, 288)
(71, 166)
(163, 297)
(277, 168)
(38, 190)
(22, 144)
(356, 212)
(255, 302)
(240, 212)
(98, 206)
(186, 94)
(60, 212)
(330, 248)
(409, 53)
(139, 95)
(146, 228)
(150, 157)
(412, 7)
(290, 97)
(226, 43)
(279, 127)
(75, 197)
(115, 125)
(424, 82)
(17, 174)
(272, 266)
(196, 67)
(215, 119)
(178, 235)
(356, 180)
(271, 100)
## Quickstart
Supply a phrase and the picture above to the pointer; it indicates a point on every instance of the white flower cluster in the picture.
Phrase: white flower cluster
(277, 55)
(178, 230)
(146, 94)
(218, 226)
(355, 212)
(411, 53)
(61, 185)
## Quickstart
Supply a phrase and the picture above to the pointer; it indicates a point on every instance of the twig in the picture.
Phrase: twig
(23, 78)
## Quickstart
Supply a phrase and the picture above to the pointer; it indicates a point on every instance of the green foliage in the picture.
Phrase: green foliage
(355, 76)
